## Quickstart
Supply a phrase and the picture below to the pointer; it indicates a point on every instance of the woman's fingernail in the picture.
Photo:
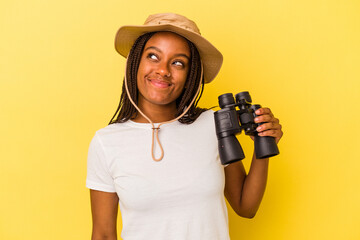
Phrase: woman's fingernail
(256, 119)
(258, 129)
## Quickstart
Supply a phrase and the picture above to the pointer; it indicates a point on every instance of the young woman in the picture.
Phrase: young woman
(158, 157)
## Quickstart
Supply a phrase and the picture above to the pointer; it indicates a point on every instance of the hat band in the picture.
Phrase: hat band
(175, 22)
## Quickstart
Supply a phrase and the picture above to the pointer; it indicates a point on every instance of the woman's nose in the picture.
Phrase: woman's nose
(163, 70)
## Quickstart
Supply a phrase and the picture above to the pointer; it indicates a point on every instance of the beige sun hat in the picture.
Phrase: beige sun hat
(211, 57)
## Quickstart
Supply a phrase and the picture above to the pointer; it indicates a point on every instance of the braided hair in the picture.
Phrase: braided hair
(126, 110)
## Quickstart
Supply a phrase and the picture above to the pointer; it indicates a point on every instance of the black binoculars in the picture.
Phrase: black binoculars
(227, 126)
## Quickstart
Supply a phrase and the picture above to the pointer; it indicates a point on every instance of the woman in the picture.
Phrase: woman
(178, 192)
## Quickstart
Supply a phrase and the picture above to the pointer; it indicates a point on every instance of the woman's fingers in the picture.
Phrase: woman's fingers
(264, 118)
(277, 134)
(271, 126)
(268, 126)
(262, 111)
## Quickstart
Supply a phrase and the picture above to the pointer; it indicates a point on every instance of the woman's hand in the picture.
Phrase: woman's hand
(270, 127)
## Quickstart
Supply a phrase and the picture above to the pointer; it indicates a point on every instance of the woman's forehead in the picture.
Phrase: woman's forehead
(168, 40)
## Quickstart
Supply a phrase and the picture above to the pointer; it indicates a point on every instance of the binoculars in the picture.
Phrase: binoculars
(229, 121)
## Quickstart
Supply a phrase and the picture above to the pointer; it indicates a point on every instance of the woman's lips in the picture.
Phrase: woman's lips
(159, 83)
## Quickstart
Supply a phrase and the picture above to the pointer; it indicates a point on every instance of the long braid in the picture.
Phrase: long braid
(126, 110)
(191, 87)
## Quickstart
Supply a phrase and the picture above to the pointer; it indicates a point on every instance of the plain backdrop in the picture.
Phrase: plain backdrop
(60, 81)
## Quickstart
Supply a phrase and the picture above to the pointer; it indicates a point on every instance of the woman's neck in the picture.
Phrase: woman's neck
(156, 113)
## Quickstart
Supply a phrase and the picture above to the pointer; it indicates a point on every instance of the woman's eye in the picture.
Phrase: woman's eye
(178, 63)
(152, 56)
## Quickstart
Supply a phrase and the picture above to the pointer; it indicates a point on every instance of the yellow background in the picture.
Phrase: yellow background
(60, 81)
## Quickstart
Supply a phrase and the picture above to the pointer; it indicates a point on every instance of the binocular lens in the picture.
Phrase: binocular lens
(226, 99)
(243, 96)
(265, 147)
(230, 150)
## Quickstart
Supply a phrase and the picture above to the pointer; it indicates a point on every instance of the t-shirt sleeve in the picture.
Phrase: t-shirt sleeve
(98, 174)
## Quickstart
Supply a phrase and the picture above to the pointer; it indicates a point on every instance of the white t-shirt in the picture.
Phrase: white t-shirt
(180, 197)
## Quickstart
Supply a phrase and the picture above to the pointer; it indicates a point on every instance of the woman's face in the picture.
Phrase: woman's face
(163, 70)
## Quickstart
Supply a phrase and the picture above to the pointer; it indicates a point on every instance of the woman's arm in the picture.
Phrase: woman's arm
(244, 192)
(104, 208)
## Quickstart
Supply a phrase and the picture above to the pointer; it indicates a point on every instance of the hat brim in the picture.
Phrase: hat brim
(211, 57)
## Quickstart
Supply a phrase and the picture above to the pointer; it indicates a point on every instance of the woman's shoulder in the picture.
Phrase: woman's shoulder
(206, 115)
(111, 130)
(205, 120)
(208, 112)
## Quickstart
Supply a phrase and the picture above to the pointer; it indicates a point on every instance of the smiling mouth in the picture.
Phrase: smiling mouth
(160, 83)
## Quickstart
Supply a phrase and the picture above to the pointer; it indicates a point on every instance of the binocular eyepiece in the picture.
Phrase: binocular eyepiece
(229, 121)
